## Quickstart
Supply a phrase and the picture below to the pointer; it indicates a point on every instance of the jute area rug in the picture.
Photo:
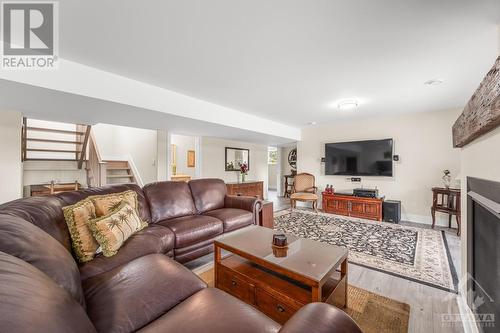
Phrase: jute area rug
(372, 312)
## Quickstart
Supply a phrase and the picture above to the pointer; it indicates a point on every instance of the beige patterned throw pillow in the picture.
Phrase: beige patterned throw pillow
(105, 204)
(113, 229)
(77, 216)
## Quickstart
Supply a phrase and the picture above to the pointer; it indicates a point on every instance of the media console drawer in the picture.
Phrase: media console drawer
(365, 208)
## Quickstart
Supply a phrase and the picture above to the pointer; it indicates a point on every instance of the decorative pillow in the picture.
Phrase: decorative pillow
(105, 204)
(77, 217)
(113, 229)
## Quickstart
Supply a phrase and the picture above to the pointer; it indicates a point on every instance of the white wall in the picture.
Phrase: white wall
(183, 144)
(480, 159)
(423, 141)
(213, 151)
(119, 142)
(272, 176)
(11, 169)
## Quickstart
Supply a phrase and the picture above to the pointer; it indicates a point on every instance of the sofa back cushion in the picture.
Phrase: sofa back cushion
(169, 199)
(23, 240)
(208, 193)
(71, 198)
(31, 301)
(44, 212)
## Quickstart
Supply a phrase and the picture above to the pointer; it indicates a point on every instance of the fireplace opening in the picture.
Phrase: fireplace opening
(483, 255)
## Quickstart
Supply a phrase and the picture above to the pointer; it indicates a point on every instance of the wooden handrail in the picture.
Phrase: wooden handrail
(23, 140)
(84, 147)
(96, 167)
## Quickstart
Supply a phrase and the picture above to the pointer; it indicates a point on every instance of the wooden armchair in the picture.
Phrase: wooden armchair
(304, 190)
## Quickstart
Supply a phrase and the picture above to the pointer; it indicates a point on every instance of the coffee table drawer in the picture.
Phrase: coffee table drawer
(231, 283)
(273, 307)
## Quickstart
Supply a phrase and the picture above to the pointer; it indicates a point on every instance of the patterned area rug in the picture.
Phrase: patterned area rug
(416, 254)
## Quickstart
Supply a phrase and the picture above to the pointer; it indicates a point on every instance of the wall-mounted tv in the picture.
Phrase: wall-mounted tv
(359, 158)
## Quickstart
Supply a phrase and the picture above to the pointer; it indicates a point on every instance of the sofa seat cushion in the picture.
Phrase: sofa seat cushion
(132, 295)
(193, 229)
(233, 218)
(30, 301)
(212, 310)
(150, 240)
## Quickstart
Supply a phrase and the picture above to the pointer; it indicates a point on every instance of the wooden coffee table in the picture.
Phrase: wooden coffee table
(280, 281)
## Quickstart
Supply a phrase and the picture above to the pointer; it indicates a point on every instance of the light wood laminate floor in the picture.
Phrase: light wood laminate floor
(427, 304)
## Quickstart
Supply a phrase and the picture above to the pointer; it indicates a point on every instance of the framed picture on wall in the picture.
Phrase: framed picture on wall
(235, 157)
(190, 158)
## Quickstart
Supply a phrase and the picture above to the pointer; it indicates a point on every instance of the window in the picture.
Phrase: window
(272, 155)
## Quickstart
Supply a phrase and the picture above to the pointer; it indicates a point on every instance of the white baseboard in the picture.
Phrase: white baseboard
(466, 312)
(441, 219)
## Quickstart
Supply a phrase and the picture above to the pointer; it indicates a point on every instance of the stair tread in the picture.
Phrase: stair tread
(42, 129)
(53, 150)
(117, 168)
(119, 176)
(54, 141)
(52, 159)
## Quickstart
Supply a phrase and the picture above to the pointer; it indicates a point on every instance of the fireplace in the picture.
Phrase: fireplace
(483, 255)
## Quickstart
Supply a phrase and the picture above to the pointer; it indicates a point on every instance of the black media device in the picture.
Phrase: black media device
(392, 211)
(365, 192)
(359, 158)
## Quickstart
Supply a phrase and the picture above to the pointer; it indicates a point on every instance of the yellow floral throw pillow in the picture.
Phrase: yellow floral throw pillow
(105, 204)
(77, 216)
(113, 229)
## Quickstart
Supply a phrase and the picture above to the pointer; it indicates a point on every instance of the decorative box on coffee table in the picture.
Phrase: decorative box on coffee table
(279, 281)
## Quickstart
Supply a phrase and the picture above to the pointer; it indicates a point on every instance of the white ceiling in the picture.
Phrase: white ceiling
(290, 60)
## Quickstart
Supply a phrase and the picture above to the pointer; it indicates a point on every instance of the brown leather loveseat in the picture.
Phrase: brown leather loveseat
(141, 288)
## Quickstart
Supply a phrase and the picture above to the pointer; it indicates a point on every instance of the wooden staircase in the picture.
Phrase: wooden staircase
(119, 172)
(54, 144)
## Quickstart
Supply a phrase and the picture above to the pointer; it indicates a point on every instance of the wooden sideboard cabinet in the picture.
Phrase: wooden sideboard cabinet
(249, 188)
(348, 205)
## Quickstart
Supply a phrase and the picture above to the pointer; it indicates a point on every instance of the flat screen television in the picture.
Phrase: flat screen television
(359, 158)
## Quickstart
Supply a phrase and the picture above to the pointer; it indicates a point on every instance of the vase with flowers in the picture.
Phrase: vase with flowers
(446, 178)
(243, 171)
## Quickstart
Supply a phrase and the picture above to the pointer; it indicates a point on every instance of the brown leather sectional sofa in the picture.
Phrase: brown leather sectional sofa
(143, 287)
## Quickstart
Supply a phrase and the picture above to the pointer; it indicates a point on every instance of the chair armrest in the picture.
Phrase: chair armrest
(251, 204)
(320, 318)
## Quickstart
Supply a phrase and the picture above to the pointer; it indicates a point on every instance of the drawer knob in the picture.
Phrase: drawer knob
(280, 308)
(233, 283)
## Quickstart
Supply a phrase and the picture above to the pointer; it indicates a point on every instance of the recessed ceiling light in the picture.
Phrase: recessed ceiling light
(433, 82)
(312, 123)
(348, 104)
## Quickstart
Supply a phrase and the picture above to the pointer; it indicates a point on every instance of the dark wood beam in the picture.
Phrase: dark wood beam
(482, 113)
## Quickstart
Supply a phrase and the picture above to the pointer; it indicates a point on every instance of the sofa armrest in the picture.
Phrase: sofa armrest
(320, 318)
(251, 204)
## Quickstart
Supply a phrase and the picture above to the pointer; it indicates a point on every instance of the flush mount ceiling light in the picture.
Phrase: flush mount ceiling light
(312, 123)
(348, 104)
(433, 82)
